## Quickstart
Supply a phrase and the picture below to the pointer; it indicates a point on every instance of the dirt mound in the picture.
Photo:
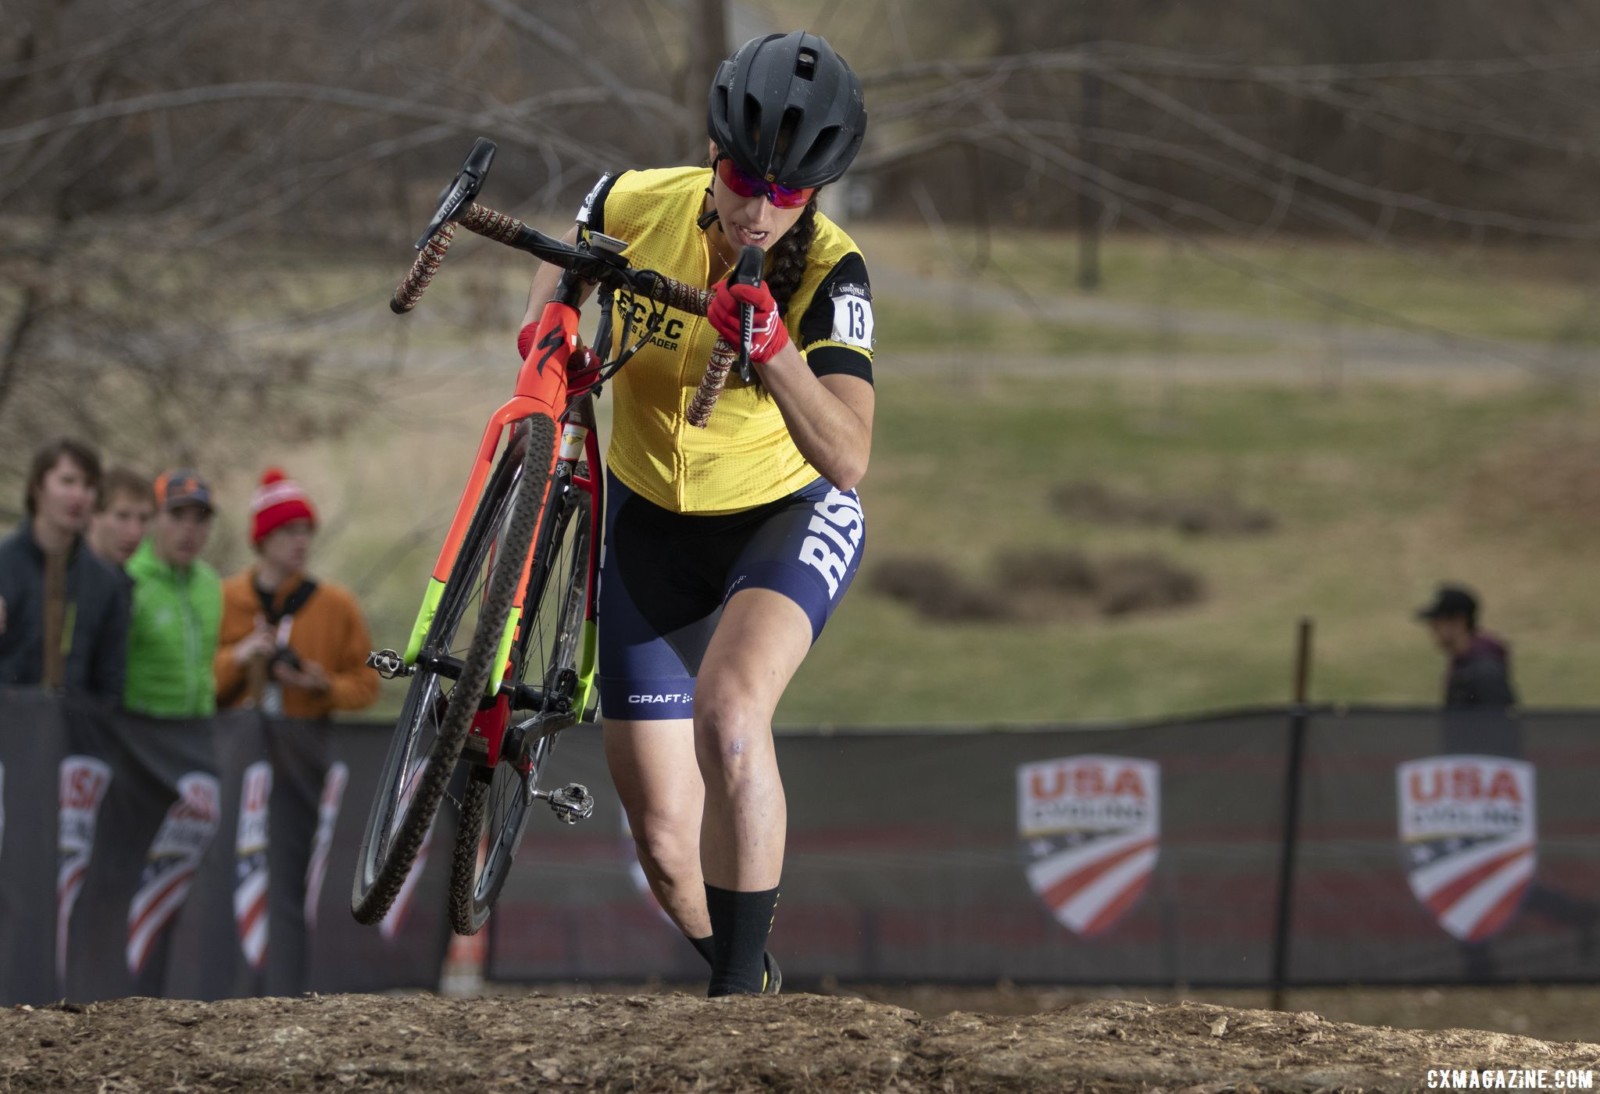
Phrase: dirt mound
(680, 1042)
(1213, 514)
(1038, 586)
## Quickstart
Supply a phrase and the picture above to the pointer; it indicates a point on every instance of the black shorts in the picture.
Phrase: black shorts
(665, 576)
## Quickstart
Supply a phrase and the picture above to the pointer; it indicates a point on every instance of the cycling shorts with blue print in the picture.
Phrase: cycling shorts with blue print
(665, 577)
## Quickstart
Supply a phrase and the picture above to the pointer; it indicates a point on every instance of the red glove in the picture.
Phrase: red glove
(767, 334)
(583, 369)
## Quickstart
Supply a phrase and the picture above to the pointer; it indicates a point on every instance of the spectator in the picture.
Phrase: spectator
(122, 515)
(1478, 676)
(1479, 721)
(63, 612)
(290, 645)
(177, 606)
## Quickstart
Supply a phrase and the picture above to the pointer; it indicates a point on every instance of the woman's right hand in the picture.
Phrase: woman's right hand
(258, 643)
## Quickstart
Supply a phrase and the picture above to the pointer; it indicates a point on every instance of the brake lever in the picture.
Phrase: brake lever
(747, 271)
(462, 189)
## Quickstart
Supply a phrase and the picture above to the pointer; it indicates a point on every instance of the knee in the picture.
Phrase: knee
(669, 848)
(733, 739)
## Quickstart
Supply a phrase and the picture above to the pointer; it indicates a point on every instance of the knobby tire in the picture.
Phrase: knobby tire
(378, 883)
(554, 608)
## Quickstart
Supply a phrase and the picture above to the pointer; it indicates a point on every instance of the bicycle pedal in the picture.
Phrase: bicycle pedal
(572, 803)
(389, 664)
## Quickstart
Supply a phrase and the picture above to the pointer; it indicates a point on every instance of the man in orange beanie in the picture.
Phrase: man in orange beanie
(290, 645)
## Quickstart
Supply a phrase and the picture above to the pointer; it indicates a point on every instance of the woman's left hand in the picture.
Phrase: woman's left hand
(767, 333)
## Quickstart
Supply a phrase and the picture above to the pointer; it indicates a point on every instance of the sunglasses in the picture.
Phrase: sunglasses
(748, 186)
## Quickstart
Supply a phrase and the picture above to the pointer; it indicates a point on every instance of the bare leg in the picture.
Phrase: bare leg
(759, 643)
(658, 779)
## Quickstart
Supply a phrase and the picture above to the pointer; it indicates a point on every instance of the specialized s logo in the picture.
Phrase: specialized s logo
(550, 343)
(836, 532)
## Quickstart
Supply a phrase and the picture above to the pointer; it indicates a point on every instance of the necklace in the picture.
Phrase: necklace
(723, 264)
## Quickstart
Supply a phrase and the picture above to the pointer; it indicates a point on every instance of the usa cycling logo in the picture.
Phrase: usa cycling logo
(333, 784)
(1091, 827)
(170, 864)
(1468, 837)
(250, 864)
(84, 783)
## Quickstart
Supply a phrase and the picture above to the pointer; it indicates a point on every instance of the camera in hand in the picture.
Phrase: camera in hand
(283, 655)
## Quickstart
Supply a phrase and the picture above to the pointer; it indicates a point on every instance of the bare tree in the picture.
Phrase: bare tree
(179, 178)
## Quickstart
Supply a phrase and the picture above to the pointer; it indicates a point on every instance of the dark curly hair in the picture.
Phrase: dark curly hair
(788, 258)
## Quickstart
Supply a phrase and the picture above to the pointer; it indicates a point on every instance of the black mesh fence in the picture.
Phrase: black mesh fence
(214, 859)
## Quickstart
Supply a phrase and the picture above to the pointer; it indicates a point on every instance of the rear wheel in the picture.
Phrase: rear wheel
(496, 806)
(453, 669)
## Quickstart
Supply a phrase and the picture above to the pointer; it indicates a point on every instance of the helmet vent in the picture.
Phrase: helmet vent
(805, 64)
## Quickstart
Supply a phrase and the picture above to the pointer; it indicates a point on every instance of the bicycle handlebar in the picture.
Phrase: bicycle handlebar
(602, 266)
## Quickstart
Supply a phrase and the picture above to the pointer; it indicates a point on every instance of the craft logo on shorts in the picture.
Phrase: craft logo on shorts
(250, 863)
(84, 782)
(1468, 837)
(1090, 826)
(169, 866)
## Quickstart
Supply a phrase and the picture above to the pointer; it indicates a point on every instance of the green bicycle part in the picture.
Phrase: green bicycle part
(425, 614)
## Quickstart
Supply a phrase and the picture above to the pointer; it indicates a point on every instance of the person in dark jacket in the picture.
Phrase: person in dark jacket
(1479, 720)
(1478, 676)
(63, 612)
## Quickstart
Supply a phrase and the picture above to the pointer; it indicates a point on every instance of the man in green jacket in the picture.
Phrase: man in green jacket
(177, 606)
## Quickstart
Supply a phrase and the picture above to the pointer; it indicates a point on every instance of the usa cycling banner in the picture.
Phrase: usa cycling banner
(1091, 828)
(1429, 850)
(194, 859)
(1120, 855)
(32, 747)
(1468, 834)
(156, 820)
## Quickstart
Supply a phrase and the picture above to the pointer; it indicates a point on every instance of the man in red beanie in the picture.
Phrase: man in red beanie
(290, 645)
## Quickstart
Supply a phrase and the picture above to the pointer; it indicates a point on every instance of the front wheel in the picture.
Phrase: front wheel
(454, 667)
(496, 807)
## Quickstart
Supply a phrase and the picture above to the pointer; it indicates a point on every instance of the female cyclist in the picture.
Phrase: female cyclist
(728, 546)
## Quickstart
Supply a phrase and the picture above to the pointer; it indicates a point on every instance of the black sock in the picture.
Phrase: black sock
(705, 948)
(740, 923)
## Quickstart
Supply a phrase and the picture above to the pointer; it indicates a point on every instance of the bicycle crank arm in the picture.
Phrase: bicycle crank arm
(572, 803)
(523, 696)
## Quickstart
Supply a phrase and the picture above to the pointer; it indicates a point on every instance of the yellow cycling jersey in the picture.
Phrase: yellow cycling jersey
(744, 456)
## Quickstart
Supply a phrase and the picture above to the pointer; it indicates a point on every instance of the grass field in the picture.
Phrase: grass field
(1381, 483)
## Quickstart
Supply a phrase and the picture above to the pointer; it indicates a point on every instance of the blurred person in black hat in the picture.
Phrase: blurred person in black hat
(1479, 720)
(1478, 676)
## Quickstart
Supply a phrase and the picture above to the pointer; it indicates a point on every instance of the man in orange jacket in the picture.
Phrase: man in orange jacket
(290, 645)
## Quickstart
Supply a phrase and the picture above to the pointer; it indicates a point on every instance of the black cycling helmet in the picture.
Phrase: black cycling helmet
(787, 108)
